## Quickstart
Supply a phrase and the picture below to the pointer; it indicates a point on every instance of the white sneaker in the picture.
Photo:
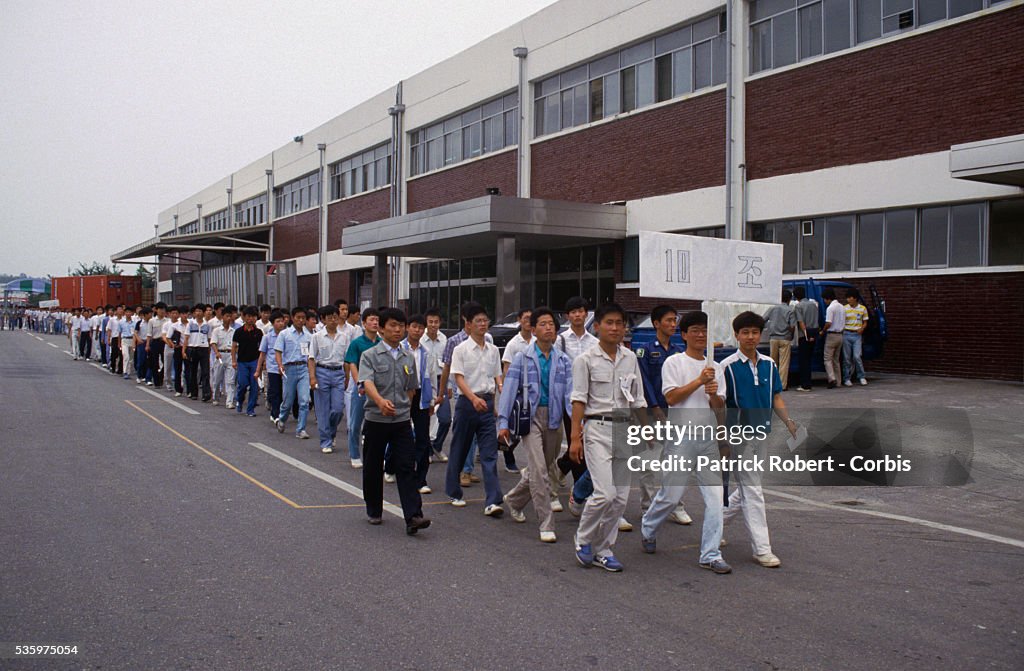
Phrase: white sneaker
(388, 477)
(680, 516)
(357, 463)
(178, 393)
(459, 503)
(149, 384)
(847, 384)
(768, 560)
(327, 450)
(556, 505)
(494, 510)
(548, 537)
(302, 434)
(229, 406)
(425, 489)
(624, 524)
(863, 382)
(517, 515)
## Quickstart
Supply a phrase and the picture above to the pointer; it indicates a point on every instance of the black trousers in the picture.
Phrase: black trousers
(115, 356)
(156, 362)
(199, 372)
(177, 362)
(565, 464)
(805, 353)
(85, 345)
(421, 432)
(396, 440)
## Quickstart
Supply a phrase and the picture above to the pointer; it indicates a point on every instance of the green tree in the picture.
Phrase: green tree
(148, 276)
(95, 268)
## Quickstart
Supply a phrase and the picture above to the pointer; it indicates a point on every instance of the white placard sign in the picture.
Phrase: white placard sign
(680, 266)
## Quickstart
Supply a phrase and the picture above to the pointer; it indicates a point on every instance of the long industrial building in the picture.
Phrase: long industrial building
(881, 142)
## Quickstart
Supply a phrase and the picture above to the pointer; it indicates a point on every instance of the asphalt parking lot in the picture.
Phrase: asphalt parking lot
(162, 534)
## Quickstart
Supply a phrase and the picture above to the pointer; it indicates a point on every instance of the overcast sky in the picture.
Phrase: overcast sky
(113, 111)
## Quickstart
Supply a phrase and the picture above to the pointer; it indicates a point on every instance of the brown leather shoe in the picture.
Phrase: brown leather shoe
(465, 479)
(415, 524)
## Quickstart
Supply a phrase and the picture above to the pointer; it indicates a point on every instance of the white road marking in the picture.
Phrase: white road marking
(38, 338)
(52, 345)
(329, 479)
(169, 401)
(903, 518)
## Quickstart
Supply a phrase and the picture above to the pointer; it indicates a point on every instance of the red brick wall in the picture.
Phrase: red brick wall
(674, 148)
(364, 209)
(308, 290)
(463, 182)
(951, 325)
(341, 285)
(913, 96)
(297, 235)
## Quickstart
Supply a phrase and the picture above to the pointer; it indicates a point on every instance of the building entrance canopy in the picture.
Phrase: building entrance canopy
(474, 228)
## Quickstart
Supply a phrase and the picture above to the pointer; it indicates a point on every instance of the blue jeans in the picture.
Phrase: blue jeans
(671, 494)
(246, 382)
(296, 384)
(469, 424)
(357, 410)
(329, 403)
(582, 488)
(852, 342)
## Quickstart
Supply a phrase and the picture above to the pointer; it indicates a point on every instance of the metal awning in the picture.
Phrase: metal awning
(473, 228)
(232, 239)
(996, 161)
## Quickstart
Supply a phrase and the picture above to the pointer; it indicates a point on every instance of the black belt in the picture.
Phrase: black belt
(323, 365)
(295, 363)
(606, 418)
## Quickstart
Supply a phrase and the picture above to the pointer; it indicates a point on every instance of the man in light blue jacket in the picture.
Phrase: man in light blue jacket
(548, 374)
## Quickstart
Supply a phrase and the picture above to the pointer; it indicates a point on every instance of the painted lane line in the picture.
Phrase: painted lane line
(52, 345)
(213, 456)
(38, 338)
(169, 401)
(903, 518)
(329, 479)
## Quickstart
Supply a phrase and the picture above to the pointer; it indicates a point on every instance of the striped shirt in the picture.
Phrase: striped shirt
(856, 317)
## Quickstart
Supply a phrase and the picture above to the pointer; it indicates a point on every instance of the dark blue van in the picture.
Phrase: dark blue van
(874, 337)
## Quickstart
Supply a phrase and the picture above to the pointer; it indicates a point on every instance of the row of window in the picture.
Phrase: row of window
(191, 227)
(946, 236)
(481, 130)
(687, 59)
(362, 172)
(218, 221)
(252, 212)
(783, 32)
(297, 195)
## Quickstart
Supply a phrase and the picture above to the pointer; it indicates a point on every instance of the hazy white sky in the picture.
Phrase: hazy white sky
(115, 110)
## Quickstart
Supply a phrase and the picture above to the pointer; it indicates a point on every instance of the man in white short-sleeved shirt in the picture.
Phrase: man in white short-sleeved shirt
(695, 391)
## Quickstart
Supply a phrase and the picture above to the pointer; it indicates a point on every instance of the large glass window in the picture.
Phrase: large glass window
(218, 221)
(297, 195)
(1006, 233)
(946, 236)
(478, 131)
(362, 172)
(687, 59)
(785, 31)
(252, 212)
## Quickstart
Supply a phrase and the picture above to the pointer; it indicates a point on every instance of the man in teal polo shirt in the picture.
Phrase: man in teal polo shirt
(368, 339)
(752, 387)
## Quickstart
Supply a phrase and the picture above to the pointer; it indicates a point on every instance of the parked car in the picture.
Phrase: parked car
(874, 337)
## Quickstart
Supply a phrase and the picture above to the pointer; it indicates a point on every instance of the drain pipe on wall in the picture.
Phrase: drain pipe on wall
(397, 112)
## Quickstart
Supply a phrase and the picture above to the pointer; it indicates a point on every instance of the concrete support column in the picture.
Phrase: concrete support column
(525, 124)
(736, 191)
(507, 291)
(380, 280)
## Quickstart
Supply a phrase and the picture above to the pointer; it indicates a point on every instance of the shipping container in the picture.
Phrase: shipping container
(92, 290)
(252, 283)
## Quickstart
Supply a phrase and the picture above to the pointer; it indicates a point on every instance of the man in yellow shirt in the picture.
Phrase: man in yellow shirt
(856, 321)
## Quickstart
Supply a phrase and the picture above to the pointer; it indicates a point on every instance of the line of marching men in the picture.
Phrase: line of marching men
(402, 386)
